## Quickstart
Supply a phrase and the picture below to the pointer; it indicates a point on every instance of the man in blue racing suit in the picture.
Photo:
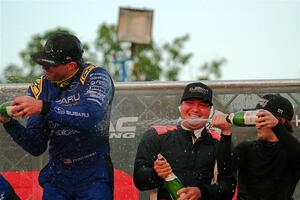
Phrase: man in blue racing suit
(6, 190)
(68, 109)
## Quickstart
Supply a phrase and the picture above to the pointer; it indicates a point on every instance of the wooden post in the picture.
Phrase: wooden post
(135, 65)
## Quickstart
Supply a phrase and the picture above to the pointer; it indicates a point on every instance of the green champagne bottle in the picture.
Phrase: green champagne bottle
(5, 109)
(173, 184)
(243, 118)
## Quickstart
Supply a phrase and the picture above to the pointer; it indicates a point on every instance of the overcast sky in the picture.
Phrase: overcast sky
(259, 38)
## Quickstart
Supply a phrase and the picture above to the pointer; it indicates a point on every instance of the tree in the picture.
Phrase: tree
(146, 57)
(175, 58)
(149, 62)
(212, 69)
(15, 74)
(154, 62)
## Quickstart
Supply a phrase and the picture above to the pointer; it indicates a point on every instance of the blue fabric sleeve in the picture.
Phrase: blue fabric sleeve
(33, 138)
(4, 187)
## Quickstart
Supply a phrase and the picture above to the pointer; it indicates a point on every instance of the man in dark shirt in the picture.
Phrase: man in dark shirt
(269, 167)
(190, 149)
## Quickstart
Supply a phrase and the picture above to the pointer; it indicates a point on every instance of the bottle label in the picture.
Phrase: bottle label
(8, 110)
(250, 117)
(229, 118)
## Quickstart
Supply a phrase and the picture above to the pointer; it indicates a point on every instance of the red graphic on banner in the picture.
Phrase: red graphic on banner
(26, 185)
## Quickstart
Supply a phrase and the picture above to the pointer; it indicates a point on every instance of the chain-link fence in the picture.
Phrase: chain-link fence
(139, 105)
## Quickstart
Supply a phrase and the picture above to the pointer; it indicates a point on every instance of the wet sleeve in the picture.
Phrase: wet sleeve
(93, 104)
(6, 190)
(291, 144)
(226, 181)
(33, 138)
(144, 176)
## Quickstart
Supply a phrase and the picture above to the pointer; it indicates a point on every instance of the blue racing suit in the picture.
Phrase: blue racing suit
(6, 191)
(74, 126)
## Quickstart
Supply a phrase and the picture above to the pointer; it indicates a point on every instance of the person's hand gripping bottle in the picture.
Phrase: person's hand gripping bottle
(5, 109)
(173, 184)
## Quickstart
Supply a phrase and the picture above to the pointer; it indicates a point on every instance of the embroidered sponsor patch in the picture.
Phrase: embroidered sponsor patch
(198, 90)
(59, 110)
(37, 87)
(66, 132)
(85, 73)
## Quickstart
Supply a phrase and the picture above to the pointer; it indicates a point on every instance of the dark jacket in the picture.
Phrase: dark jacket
(268, 170)
(192, 163)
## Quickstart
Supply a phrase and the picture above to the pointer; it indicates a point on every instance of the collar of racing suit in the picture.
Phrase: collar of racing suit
(205, 135)
(66, 82)
(197, 133)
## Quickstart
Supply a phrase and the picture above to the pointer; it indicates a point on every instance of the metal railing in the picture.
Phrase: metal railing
(138, 105)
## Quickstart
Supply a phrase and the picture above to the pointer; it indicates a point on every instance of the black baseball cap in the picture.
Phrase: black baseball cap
(60, 48)
(277, 105)
(197, 90)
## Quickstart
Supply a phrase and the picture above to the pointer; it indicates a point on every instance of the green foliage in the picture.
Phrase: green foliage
(148, 58)
(143, 62)
(145, 58)
(175, 59)
(212, 69)
(106, 43)
(15, 74)
(149, 62)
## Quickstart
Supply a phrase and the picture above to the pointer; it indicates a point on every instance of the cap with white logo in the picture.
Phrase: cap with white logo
(197, 90)
(277, 105)
(60, 48)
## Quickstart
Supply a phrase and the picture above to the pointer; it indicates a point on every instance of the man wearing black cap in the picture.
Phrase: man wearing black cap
(68, 111)
(189, 150)
(269, 167)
